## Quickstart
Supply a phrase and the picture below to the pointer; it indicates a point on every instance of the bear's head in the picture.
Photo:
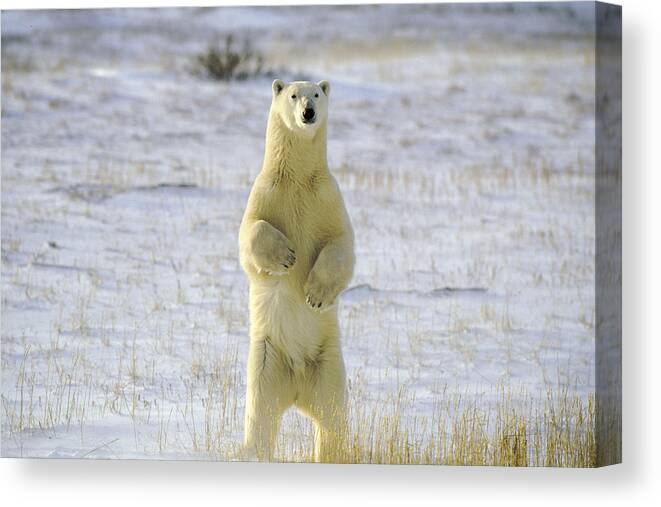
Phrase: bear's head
(301, 105)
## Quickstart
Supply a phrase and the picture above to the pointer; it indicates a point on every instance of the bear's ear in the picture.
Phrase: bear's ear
(277, 86)
(325, 86)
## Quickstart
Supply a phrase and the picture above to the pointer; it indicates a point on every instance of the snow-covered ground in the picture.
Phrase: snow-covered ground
(462, 138)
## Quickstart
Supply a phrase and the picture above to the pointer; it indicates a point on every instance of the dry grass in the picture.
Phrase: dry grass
(555, 432)
(517, 429)
(226, 63)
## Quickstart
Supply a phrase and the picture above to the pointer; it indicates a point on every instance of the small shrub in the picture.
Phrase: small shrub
(227, 63)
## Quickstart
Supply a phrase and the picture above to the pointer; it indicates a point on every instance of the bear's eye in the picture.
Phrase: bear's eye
(316, 95)
(293, 96)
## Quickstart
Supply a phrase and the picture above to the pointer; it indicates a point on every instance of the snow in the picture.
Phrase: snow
(462, 137)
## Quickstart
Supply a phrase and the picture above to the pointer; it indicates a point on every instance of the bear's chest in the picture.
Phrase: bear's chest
(296, 213)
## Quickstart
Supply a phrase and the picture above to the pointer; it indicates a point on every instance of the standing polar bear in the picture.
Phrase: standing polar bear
(296, 246)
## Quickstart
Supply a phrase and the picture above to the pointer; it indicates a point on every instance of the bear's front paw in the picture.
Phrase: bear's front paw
(276, 259)
(319, 294)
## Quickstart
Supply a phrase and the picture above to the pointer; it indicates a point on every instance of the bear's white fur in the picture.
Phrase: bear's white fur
(296, 246)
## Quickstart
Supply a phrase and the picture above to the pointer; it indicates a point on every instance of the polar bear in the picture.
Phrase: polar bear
(296, 247)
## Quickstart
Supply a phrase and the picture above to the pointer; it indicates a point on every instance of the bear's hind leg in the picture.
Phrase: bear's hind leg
(269, 392)
(324, 402)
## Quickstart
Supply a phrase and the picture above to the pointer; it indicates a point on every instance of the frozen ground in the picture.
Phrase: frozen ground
(462, 138)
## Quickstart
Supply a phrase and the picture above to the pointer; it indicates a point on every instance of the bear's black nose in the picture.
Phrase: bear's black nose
(308, 114)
